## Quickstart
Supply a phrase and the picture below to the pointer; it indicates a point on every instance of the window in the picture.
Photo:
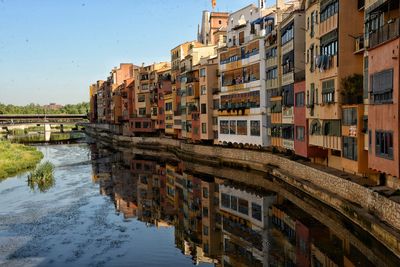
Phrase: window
(384, 144)
(203, 90)
(224, 127)
(141, 98)
(146, 124)
(205, 192)
(272, 74)
(382, 86)
(271, 53)
(349, 116)
(204, 128)
(330, 48)
(242, 127)
(255, 128)
(300, 99)
(168, 106)
(288, 97)
(203, 108)
(154, 111)
(234, 203)
(288, 132)
(225, 200)
(276, 107)
(365, 124)
(329, 45)
(328, 91)
(205, 230)
(369, 140)
(215, 120)
(205, 212)
(142, 111)
(256, 211)
(215, 103)
(232, 127)
(287, 33)
(315, 127)
(329, 10)
(300, 130)
(313, 22)
(138, 124)
(241, 38)
(276, 131)
(350, 148)
(288, 62)
(243, 206)
(203, 72)
(331, 128)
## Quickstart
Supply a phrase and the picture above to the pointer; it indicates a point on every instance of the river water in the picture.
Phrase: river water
(143, 208)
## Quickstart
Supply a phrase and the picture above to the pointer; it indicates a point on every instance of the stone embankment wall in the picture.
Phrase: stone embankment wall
(347, 197)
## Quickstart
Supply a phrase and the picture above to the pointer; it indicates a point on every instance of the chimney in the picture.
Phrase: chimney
(261, 4)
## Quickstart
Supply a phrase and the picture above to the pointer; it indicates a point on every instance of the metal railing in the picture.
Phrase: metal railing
(385, 33)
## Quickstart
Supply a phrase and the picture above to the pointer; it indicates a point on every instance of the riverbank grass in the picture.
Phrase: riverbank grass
(15, 158)
(42, 177)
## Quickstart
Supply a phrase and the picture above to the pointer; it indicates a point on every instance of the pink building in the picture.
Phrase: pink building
(301, 145)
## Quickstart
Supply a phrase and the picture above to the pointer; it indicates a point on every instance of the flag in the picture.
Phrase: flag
(213, 3)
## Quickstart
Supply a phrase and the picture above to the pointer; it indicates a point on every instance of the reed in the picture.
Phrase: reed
(15, 158)
(42, 177)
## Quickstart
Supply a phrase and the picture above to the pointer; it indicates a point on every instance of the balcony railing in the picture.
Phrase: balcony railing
(235, 58)
(242, 105)
(385, 33)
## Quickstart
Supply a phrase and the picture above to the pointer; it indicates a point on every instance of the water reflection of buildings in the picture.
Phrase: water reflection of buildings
(224, 223)
(245, 225)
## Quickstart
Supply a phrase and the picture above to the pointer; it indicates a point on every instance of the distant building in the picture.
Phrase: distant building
(53, 106)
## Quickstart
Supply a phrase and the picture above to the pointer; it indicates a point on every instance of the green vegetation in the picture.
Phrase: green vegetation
(352, 89)
(15, 158)
(42, 177)
(81, 108)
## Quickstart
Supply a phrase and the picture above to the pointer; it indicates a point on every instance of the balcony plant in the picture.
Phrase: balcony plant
(352, 89)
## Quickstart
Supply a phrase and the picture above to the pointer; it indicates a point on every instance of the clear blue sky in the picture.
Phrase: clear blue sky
(51, 50)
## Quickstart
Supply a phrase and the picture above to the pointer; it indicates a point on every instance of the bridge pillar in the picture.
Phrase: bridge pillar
(47, 127)
(47, 132)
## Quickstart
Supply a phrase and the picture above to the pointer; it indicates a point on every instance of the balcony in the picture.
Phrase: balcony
(276, 141)
(271, 84)
(286, 48)
(287, 115)
(288, 78)
(272, 61)
(288, 144)
(359, 44)
(385, 33)
(326, 141)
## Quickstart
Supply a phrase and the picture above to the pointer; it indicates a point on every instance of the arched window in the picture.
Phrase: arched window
(315, 127)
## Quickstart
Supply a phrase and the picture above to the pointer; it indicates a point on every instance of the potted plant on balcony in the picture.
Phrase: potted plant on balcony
(352, 89)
